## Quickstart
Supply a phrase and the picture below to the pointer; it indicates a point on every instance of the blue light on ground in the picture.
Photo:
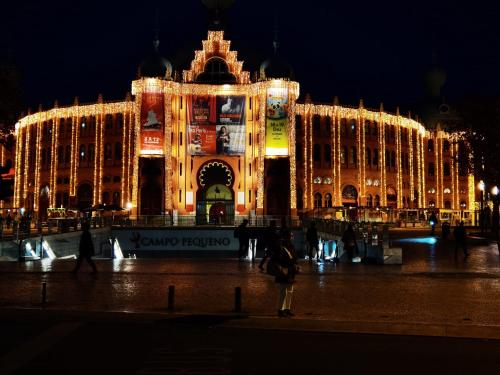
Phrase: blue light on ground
(420, 240)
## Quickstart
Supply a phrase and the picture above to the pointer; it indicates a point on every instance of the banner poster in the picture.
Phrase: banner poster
(216, 124)
(152, 121)
(277, 122)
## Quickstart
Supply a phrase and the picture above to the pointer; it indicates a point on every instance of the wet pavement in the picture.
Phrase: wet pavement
(431, 287)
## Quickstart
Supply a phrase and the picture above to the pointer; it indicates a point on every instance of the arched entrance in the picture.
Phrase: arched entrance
(151, 180)
(277, 186)
(84, 196)
(215, 196)
(43, 202)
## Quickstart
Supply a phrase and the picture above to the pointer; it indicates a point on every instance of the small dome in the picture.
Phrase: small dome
(276, 68)
(156, 66)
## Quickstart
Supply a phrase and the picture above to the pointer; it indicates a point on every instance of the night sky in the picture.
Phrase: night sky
(375, 51)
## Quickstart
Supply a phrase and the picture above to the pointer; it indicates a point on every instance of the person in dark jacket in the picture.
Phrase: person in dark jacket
(313, 241)
(243, 238)
(86, 249)
(285, 262)
(349, 240)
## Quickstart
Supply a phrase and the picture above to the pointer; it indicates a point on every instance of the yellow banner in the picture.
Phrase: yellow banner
(276, 137)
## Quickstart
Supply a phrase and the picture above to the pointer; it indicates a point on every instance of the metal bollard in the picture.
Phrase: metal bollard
(237, 299)
(44, 293)
(171, 297)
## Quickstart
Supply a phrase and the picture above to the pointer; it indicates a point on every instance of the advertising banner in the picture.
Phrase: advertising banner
(216, 124)
(277, 122)
(152, 122)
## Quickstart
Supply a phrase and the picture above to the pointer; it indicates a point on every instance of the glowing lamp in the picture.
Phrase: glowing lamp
(494, 190)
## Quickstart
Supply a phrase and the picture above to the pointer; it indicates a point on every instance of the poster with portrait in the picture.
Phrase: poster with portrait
(152, 122)
(277, 122)
(216, 124)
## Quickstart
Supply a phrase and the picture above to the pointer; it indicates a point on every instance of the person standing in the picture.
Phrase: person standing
(272, 242)
(460, 235)
(243, 238)
(349, 240)
(86, 249)
(285, 263)
(312, 240)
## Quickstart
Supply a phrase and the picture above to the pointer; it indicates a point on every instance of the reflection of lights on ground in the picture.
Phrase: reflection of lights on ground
(419, 240)
(48, 250)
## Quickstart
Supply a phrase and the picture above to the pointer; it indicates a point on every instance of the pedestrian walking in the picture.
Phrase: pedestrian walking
(86, 249)
(460, 235)
(243, 235)
(313, 241)
(349, 240)
(272, 242)
(433, 221)
(284, 261)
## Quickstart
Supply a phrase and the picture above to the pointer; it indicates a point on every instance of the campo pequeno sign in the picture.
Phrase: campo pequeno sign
(176, 239)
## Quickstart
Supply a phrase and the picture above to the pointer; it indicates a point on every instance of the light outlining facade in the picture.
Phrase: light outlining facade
(336, 155)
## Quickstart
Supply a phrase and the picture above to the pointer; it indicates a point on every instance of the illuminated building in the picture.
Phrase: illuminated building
(163, 150)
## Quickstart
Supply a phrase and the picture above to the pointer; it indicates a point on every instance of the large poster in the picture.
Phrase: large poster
(216, 124)
(152, 122)
(277, 122)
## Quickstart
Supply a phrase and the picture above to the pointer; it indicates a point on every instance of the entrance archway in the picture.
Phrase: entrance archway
(215, 196)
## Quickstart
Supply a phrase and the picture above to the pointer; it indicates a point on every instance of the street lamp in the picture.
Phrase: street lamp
(481, 187)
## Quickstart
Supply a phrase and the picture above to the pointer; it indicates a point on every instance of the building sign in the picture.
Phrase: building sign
(152, 122)
(277, 122)
(216, 124)
(176, 240)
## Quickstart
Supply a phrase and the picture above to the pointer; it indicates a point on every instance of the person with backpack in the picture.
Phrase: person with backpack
(243, 236)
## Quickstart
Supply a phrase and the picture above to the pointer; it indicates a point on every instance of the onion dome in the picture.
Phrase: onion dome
(275, 67)
(155, 65)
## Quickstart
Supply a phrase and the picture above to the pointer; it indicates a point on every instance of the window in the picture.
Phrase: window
(316, 125)
(105, 197)
(352, 128)
(328, 200)
(430, 145)
(82, 153)
(446, 169)
(343, 127)
(374, 129)
(367, 128)
(108, 154)
(343, 156)
(375, 156)
(328, 125)
(368, 157)
(354, 156)
(116, 198)
(298, 151)
(317, 152)
(60, 155)
(377, 201)
(298, 122)
(317, 200)
(67, 156)
(369, 200)
(118, 151)
(430, 169)
(328, 155)
(446, 146)
(116, 179)
(91, 152)
(387, 159)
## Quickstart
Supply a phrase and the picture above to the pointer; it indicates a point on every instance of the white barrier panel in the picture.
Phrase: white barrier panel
(176, 239)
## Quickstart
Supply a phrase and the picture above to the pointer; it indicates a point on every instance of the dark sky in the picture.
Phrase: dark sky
(378, 51)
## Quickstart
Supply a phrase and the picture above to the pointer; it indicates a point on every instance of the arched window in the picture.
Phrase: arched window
(446, 169)
(343, 156)
(118, 151)
(430, 145)
(91, 152)
(316, 125)
(108, 153)
(116, 198)
(375, 156)
(216, 71)
(317, 200)
(82, 153)
(369, 200)
(368, 157)
(328, 125)
(352, 128)
(431, 169)
(354, 156)
(105, 197)
(328, 200)
(377, 200)
(447, 205)
(317, 152)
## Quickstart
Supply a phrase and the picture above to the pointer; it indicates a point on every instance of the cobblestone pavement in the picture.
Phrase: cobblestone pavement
(432, 287)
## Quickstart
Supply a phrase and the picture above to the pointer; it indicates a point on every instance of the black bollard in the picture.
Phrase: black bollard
(237, 299)
(44, 293)
(171, 297)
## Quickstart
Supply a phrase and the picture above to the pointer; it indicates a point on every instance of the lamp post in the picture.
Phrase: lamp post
(481, 186)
